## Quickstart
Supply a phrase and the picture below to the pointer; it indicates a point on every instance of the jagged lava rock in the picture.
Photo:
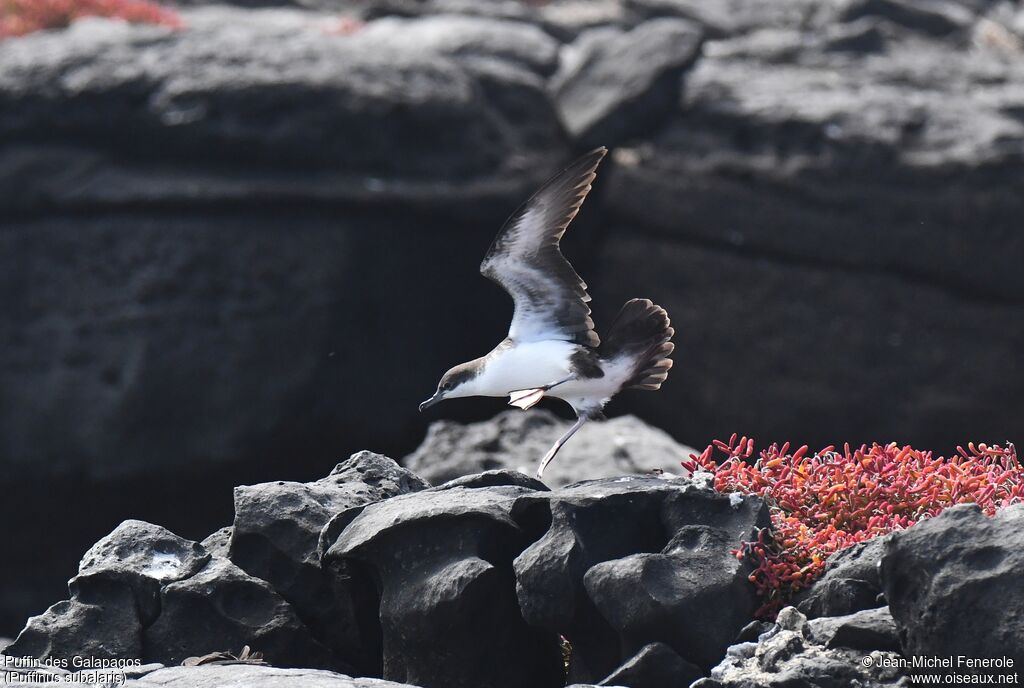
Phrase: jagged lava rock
(115, 594)
(849, 584)
(616, 85)
(789, 656)
(276, 536)
(221, 609)
(610, 570)
(870, 629)
(654, 666)
(443, 560)
(143, 592)
(516, 440)
(953, 584)
(254, 676)
(694, 594)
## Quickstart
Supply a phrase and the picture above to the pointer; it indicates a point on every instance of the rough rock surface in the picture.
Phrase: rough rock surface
(850, 583)
(220, 208)
(276, 537)
(614, 86)
(789, 655)
(654, 666)
(953, 584)
(610, 571)
(868, 630)
(444, 561)
(221, 609)
(256, 677)
(516, 440)
(144, 593)
(117, 589)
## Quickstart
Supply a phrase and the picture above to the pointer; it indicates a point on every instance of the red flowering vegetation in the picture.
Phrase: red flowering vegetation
(823, 502)
(19, 17)
(345, 26)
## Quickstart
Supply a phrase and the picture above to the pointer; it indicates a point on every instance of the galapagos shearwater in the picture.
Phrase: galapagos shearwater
(552, 348)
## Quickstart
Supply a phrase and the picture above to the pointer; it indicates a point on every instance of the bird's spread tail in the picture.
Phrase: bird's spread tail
(642, 335)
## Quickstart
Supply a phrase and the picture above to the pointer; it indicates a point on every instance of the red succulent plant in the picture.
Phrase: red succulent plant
(825, 501)
(19, 17)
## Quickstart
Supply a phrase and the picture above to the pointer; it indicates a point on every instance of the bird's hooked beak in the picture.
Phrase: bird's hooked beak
(438, 396)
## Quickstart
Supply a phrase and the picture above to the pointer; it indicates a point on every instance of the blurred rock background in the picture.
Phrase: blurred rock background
(239, 250)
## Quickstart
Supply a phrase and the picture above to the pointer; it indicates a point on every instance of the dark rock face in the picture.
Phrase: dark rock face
(256, 677)
(654, 666)
(789, 655)
(515, 440)
(221, 609)
(117, 589)
(953, 584)
(143, 592)
(669, 595)
(618, 85)
(871, 629)
(610, 574)
(444, 561)
(850, 583)
(276, 536)
(65, 630)
(820, 193)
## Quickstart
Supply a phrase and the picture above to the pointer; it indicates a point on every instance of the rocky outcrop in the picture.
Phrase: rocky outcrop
(614, 85)
(516, 441)
(368, 577)
(444, 561)
(258, 583)
(358, 571)
(953, 584)
(254, 239)
(276, 537)
(789, 654)
(626, 562)
(850, 583)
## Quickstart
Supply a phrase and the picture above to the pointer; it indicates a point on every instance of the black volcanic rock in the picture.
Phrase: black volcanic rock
(694, 595)
(849, 584)
(953, 584)
(789, 656)
(67, 629)
(871, 629)
(221, 609)
(654, 666)
(143, 557)
(614, 85)
(115, 594)
(611, 571)
(276, 537)
(443, 560)
(252, 676)
(514, 440)
(222, 243)
(144, 593)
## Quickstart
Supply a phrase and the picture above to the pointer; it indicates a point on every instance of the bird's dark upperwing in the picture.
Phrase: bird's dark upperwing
(550, 298)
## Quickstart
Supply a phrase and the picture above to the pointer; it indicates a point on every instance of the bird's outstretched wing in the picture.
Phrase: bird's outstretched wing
(550, 298)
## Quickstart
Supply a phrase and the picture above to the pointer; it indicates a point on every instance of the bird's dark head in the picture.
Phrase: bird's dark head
(457, 382)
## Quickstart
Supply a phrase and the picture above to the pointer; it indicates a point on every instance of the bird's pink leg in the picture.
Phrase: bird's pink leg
(527, 398)
(558, 445)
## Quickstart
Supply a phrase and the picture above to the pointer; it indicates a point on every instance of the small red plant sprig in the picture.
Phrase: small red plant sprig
(20, 17)
(826, 501)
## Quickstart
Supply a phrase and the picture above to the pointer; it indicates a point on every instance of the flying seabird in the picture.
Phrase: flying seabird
(552, 348)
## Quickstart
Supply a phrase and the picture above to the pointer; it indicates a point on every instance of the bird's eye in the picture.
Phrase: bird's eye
(446, 387)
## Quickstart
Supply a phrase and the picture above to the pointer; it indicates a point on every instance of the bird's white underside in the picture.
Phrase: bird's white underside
(529, 365)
